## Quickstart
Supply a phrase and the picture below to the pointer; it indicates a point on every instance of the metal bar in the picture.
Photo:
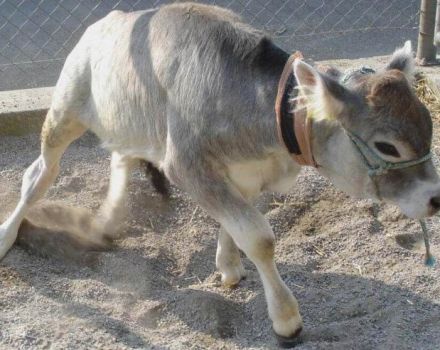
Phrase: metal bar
(437, 26)
(425, 48)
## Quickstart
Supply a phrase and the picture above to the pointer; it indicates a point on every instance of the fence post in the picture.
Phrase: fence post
(426, 50)
(437, 26)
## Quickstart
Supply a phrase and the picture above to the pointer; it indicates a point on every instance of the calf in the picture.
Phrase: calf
(191, 89)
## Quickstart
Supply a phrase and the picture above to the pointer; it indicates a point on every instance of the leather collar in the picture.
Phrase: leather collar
(294, 128)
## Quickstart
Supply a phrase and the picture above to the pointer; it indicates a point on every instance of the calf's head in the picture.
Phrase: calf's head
(364, 123)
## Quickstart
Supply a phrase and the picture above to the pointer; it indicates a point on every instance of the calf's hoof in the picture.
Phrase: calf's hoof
(232, 278)
(291, 341)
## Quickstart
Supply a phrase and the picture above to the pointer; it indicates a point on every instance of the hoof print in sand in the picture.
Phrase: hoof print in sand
(409, 241)
(208, 312)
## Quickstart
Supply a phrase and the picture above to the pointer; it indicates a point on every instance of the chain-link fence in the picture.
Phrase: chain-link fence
(37, 35)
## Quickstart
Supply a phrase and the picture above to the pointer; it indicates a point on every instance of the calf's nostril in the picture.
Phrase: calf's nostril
(435, 203)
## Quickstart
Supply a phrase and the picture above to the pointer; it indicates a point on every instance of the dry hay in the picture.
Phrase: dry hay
(429, 94)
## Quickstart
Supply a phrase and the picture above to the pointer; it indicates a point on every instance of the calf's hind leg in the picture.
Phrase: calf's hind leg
(112, 211)
(59, 130)
(228, 260)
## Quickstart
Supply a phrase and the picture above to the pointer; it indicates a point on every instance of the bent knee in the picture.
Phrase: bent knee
(253, 236)
(262, 249)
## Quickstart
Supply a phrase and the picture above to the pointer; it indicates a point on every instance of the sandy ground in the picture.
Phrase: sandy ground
(347, 262)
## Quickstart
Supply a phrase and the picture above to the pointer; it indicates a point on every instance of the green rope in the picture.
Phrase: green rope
(429, 258)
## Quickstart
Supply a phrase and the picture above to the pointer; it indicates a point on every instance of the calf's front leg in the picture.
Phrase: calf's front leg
(254, 236)
(250, 232)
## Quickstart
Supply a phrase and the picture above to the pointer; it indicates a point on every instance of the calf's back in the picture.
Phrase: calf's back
(187, 77)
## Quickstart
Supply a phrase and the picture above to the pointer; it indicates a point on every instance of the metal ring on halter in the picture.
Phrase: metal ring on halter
(363, 70)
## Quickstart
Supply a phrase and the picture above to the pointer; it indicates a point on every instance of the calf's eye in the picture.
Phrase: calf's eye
(387, 149)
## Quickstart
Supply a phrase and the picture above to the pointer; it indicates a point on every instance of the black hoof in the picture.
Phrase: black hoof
(289, 342)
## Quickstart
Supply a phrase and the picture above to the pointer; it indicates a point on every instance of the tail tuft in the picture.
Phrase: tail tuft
(158, 179)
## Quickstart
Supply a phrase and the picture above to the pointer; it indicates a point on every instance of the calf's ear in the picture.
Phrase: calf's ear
(326, 98)
(403, 60)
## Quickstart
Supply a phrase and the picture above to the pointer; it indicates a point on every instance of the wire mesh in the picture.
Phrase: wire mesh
(37, 35)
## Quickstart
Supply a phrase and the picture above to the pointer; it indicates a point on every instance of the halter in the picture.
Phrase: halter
(377, 165)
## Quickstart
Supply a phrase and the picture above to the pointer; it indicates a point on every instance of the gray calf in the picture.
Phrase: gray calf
(191, 89)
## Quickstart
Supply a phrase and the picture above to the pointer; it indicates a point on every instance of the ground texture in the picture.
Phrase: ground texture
(353, 265)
